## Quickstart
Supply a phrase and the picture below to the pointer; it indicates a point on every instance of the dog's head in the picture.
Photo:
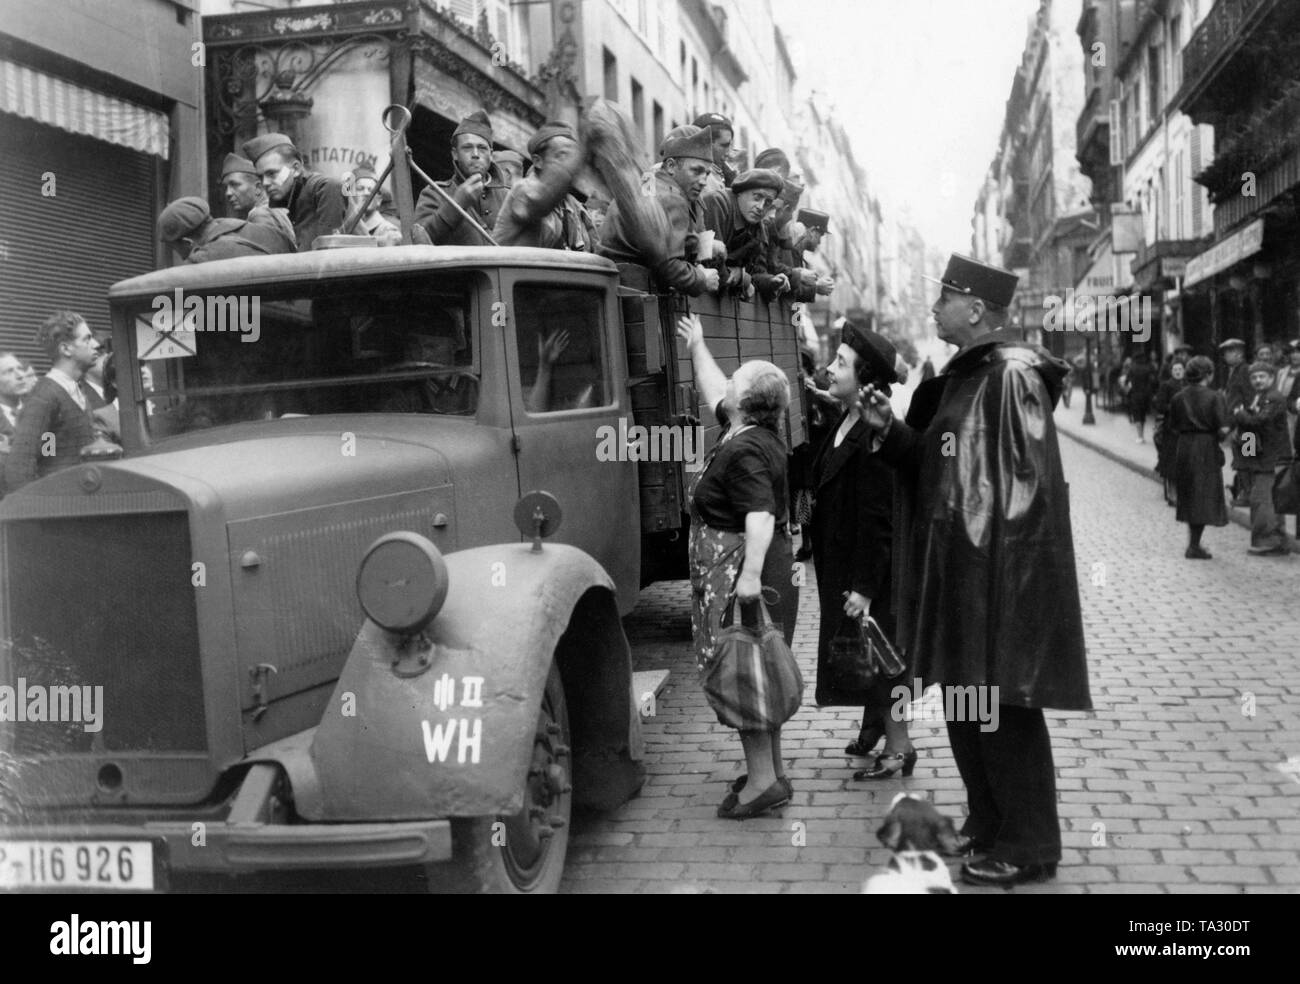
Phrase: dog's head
(915, 825)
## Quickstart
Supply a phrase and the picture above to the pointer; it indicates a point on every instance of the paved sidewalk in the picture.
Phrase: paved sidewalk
(1184, 779)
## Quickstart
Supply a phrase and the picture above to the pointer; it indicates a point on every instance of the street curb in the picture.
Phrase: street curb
(1239, 516)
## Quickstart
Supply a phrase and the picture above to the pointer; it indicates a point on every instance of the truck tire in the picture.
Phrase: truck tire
(521, 854)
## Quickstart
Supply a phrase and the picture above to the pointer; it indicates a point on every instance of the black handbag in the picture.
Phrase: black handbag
(860, 652)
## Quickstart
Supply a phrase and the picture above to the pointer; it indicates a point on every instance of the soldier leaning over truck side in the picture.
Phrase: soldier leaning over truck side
(188, 227)
(540, 209)
(476, 184)
(686, 157)
(735, 215)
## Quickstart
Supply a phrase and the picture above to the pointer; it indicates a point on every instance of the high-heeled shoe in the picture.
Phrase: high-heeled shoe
(866, 741)
(897, 761)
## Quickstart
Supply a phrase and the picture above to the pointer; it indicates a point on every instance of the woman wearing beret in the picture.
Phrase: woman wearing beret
(739, 537)
(1199, 417)
(852, 538)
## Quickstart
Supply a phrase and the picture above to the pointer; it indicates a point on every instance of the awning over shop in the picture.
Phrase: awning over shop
(57, 102)
(1225, 254)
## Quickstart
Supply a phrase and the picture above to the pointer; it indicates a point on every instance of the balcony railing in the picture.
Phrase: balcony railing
(1094, 117)
(1221, 31)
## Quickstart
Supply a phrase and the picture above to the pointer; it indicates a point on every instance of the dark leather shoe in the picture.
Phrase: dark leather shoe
(775, 795)
(733, 797)
(965, 846)
(866, 742)
(990, 872)
(1197, 553)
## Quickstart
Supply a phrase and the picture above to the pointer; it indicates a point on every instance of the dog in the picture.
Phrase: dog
(915, 831)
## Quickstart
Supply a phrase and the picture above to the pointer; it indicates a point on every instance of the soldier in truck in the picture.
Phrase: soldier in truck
(677, 185)
(540, 209)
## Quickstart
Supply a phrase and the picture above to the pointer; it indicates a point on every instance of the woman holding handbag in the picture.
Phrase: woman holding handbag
(852, 535)
(740, 544)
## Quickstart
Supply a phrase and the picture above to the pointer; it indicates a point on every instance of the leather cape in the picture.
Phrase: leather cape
(988, 594)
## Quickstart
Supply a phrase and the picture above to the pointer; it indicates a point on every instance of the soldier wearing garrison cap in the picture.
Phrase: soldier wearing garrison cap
(246, 198)
(476, 184)
(735, 215)
(540, 209)
(687, 154)
(722, 133)
(989, 597)
(314, 201)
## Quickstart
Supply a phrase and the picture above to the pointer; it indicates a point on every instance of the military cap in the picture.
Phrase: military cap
(182, 217)
(791, 191)
(773, 158)
(476, 123)
(758, 177)
(1262, 367)
(363, 171)
(715, 120)
(255, 148)
(976, 279)
(875, 350)
(552, 128)
(1231, 342)
(688, 141)
(234, 164)
(814, 221)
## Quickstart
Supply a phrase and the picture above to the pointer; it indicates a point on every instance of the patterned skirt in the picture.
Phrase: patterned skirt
(715, 559)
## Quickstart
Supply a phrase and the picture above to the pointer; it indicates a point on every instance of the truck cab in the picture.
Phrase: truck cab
(283, 419)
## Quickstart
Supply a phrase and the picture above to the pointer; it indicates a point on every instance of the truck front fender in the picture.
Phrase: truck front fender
(456, 739)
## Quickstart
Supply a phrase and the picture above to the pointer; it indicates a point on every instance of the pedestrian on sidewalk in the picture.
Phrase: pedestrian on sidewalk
(991, 598)
(739, 537)
(1199, 417)
(1262, 441)
(852, 533)
(1166, 440)
(1141, 388)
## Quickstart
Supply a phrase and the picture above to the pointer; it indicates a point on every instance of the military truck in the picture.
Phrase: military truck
(322, 638)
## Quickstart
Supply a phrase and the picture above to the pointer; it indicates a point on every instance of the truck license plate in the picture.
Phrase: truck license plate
(98, 864)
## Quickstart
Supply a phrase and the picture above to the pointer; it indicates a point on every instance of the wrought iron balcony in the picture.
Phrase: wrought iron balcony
(1217, 41)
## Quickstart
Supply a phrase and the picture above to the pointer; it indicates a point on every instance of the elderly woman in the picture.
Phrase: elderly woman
(739, 536)
(1199, 417)
(852, 538)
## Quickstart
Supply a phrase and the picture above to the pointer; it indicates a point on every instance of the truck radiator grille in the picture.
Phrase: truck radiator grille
(104, 601)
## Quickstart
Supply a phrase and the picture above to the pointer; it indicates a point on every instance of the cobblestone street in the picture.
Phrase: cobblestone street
(1185, 777)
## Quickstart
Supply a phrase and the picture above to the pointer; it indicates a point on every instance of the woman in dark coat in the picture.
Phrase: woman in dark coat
(1166, 440)
(1200, 419)
(852, 534)
(1141, 388)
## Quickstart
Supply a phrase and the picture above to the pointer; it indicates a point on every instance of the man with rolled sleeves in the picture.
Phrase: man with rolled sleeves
(540, 209)
(989, 596)
(188, 226)
(315, 203)
(687, 154)
(476, 184)
(246, 198)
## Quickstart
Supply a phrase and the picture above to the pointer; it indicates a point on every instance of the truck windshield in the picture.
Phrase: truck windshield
(211, 359)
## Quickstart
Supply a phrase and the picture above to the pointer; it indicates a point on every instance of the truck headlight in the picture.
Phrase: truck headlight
(402, 582)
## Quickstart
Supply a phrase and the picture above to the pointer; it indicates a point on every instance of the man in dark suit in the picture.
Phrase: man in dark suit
(55, 423)
(1261, 446)
(12, 388)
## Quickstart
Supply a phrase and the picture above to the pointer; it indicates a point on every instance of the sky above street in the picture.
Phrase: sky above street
(920, 86)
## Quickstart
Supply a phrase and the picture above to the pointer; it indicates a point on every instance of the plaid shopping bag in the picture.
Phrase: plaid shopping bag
(753, 683)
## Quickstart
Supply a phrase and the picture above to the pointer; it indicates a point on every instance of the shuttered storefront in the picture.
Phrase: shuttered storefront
(65, 249)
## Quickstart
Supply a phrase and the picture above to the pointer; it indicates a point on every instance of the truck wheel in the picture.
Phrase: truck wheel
(521, 854)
